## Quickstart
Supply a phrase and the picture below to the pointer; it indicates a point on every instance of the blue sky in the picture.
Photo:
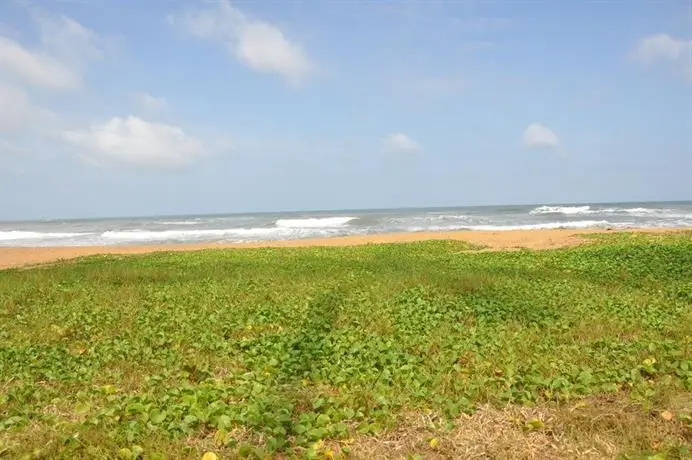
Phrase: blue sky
(111, 108)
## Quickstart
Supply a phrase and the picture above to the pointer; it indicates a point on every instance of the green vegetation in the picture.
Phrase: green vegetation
(322, 352)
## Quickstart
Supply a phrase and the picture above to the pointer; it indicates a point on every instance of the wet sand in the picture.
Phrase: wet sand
(497, 240)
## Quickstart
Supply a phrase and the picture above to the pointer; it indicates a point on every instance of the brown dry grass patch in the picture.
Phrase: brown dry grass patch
(596, 428)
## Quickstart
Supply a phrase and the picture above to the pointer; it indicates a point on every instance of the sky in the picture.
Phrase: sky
(124, 108)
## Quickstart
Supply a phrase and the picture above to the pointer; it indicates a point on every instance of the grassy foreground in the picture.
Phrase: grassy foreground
(421, 350)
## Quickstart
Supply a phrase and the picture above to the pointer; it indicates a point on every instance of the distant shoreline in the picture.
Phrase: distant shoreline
(494, 240)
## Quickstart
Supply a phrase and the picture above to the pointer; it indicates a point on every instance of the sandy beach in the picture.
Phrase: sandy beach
(497, 240)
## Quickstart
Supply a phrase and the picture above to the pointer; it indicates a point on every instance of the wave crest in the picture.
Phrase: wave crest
(13, 235)
(548, 226)
(567, 210)
(314, 222)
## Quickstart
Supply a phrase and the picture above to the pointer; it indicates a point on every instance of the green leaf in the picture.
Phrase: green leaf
(318, 403)
(224, 421)
(157, 417)
(322, 420)
(534, 424)
(82, 408)
(317, 433)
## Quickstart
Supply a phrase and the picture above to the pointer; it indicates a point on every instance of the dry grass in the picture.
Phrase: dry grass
(595, 428)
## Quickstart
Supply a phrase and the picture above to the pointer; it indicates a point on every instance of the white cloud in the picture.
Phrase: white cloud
(263, 48)
(66, 46)
(400, 142)
(17, 113)
(57, 62)
(664, 48)
(68, 39)
(136, 142)
(8, 147)
(539, 136)
(259, 45)
(15, 109)
(150, 102)
(35, 68)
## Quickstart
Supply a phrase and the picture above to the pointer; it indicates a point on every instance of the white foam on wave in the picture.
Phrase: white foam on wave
(244, 234)
(644, 211)
(657, 212)
(182, 235)
(18, 235)
(662, 213)
(547, 226)
(567, 210)
(432, 222)
(180, 222)
(635, 212)
(449, 216)
(314, 222)
(580, 224)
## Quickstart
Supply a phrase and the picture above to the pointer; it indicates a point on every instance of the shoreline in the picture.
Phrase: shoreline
(15, 256)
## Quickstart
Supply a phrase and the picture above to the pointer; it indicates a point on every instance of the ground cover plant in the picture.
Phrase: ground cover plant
(425, 350)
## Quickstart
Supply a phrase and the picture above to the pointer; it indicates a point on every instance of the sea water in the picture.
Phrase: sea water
(241, 228)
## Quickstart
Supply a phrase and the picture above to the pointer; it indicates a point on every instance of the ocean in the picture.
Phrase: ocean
(242, 228)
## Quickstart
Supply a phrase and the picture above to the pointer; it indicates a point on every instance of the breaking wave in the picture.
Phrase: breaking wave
(272, 227)
(190, 235)
(314, 222)
(18, 235)
(589, 210)
(181, 222)
(565, 210)
(548, 225)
